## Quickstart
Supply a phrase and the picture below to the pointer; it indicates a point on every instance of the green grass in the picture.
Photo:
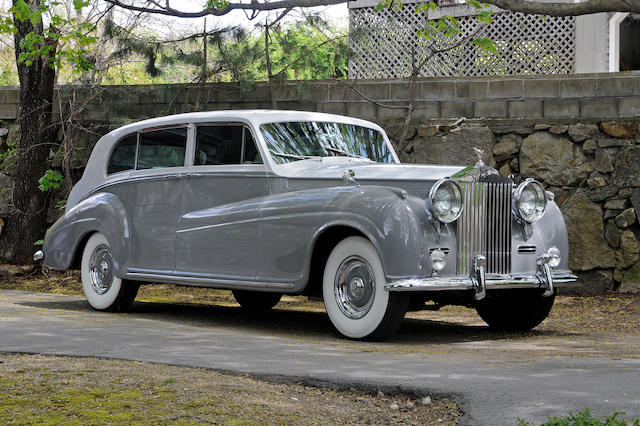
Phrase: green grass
(585, 418)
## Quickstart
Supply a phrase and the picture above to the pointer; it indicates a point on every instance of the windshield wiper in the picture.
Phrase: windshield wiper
(345, 153)
(294, 156)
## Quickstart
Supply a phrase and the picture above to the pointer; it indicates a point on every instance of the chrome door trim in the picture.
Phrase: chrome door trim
(205, 282)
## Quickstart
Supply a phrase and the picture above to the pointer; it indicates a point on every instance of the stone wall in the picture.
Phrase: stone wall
(589, 96)
(593, 169)
(578, 134)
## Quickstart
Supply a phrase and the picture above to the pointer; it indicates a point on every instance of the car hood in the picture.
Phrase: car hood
(329, 168)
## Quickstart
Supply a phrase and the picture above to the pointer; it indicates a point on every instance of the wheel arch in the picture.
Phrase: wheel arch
(324, 242)
(76, 260)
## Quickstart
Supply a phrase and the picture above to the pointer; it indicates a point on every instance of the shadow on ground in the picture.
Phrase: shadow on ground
(291, 323)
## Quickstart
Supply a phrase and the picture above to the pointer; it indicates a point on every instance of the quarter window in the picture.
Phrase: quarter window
(162, 148)
(124, 155)
(225, 144)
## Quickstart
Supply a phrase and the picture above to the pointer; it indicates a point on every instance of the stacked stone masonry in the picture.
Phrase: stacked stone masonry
(578, 134)
(592, 168)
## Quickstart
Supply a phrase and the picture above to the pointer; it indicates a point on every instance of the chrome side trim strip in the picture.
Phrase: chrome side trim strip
(205, 282)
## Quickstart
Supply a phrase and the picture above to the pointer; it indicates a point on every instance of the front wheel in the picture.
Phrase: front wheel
(515, 312)
(354, 296)
(104, 291)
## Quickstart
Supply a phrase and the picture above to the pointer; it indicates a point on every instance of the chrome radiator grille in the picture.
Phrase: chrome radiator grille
(484, 227)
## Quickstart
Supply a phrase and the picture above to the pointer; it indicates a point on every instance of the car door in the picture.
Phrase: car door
(155, 197)
(219, 226)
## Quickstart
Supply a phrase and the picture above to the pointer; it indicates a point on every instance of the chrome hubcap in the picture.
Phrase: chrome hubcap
(101, 269)
(354, 287)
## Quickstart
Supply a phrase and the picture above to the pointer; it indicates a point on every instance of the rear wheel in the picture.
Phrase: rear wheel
(515, 312)
(256, 300)
(354, 296)
(104, 291)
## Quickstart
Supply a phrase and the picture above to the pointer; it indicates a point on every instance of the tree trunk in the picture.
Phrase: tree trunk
(28, 221)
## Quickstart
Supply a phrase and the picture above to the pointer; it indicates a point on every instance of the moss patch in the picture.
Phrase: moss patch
(77, 391)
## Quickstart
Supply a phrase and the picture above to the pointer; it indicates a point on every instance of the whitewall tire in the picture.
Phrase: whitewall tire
(103, 289)
(354, 296)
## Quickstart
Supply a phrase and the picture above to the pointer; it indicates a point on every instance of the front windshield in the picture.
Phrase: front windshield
(295, 141)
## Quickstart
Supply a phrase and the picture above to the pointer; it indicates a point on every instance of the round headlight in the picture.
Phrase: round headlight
(530, 200)
(445, 200)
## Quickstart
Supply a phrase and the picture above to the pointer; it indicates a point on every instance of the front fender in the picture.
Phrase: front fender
(102, 212)
(395, 224)
(549, 231)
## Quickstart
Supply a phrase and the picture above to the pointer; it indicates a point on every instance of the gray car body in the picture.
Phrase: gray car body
(255, 226)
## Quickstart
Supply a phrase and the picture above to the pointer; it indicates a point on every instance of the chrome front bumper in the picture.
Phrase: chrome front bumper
(479, 281)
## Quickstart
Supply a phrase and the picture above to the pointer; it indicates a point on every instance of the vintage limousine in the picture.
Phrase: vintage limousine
(267, 203)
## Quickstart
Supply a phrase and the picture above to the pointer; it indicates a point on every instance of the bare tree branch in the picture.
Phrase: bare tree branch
(253, 6)
(525, 6)
(567, 9)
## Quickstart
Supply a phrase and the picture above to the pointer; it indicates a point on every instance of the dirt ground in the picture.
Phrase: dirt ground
(56, 390)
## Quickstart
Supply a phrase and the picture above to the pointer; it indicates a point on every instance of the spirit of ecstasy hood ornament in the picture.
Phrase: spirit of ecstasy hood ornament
(479, 153)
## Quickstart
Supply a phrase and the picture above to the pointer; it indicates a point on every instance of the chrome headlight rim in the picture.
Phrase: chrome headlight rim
(517, 194)
(458, 194)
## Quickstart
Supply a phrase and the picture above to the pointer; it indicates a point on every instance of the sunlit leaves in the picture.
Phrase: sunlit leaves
(389, 4)
(50, 180)
(426, 7)
(63, 40)
(217, 4)
(486, 44)
(485, 16)
(22, 11)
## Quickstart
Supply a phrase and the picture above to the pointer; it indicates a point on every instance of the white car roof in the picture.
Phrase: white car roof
(94, 174)
(252, 116)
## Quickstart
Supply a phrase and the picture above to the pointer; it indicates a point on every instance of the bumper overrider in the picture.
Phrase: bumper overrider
(479, 281)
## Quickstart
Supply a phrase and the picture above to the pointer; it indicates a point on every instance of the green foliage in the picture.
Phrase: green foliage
(38, 243)
(302, 51)
(64, 40)
(310, 49)
(486, 44)
(50, 180)
(585, 418)
(61, 205)
(217, 4)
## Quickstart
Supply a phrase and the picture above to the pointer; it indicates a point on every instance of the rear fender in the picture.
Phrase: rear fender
(102, 212)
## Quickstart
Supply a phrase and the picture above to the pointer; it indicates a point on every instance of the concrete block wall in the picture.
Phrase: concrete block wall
(572, 96)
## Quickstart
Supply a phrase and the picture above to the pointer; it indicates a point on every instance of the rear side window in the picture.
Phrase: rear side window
(124, 155)
(162, 148)
(225, 144)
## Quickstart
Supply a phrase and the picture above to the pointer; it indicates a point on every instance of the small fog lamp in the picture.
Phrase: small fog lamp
(438, 260)
(556, 256)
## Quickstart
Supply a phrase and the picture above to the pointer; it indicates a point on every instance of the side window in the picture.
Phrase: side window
(162, 148)
(222, 144)
(124, 155)
(218, 145)
(251, 153)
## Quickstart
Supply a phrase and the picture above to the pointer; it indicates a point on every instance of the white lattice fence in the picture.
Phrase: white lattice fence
(384, 42)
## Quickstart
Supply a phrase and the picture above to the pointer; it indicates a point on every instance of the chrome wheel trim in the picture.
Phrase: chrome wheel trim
(101, 269)
(354, 287)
